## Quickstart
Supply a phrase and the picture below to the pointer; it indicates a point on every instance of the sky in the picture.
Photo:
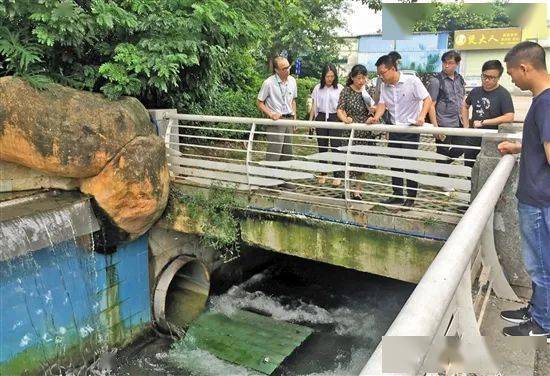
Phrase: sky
(361, 20)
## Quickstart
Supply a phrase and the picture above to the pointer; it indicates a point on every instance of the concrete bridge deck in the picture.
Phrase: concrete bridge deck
(377, 243)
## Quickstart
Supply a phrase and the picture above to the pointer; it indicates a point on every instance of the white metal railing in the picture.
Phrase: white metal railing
(436, 299)
(203, 149)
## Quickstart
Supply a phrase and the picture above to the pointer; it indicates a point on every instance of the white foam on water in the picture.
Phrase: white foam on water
(237, 298)
(359, 358)
(198, 362)
(256, 278)
(345, 320)
(25, 340)
(354, 323)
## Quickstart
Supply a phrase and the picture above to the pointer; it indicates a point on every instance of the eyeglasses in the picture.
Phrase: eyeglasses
(383, 73)
(489, 78)
(285, 68)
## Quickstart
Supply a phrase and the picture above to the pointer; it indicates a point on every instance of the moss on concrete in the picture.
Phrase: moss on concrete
(383, 253)
(379, 252)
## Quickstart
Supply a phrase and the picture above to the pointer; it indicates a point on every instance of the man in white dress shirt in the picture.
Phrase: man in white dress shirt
(408, 102)
(277, 100)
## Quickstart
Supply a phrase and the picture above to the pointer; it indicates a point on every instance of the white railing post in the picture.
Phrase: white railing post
(489, 257)
(249, 148)
(467, 323)
(169, 127)
(346, 171)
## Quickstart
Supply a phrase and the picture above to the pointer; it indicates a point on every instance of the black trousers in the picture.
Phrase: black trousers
(332, 143)
(471, 153)
(398, 182)
(443, 148)
(328, 144)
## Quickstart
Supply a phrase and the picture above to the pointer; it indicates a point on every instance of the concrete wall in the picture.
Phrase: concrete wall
(505, 225)
(63, 303)
(389, 255)
(385, 253)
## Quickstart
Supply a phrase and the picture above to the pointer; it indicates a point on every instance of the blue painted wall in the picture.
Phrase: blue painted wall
(66, 300)
(421, 52)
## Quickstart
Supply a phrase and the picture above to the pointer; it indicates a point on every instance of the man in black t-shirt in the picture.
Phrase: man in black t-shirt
(491, 106)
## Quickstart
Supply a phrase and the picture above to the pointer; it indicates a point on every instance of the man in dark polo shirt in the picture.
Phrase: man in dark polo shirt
(526, 64)
(492, 105)
(447, 91)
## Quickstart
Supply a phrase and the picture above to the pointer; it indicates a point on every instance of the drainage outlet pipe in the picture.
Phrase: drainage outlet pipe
(180, 294)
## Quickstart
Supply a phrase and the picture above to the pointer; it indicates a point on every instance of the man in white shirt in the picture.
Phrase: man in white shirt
(408, 102)
(277, 100)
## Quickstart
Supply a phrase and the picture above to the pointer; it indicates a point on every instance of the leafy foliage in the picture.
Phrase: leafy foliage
(459, 16)
(168, 53)
(305, 29)
(242, 103)
(147, 48)
(305, 87)
(216, 214)
(22, 57)
(377, 4)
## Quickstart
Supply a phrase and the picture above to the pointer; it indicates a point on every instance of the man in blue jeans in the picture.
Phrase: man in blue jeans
(526, 64)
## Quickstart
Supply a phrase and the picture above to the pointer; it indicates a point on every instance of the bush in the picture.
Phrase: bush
(243, 103)
(215, 213)
(305, 87)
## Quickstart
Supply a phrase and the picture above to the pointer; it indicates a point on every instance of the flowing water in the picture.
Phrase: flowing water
(348, 310)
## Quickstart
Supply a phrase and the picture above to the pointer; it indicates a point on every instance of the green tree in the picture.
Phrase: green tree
(460, 16)
(377, 4)
(177, 53)
(163, 51)
(306, 29)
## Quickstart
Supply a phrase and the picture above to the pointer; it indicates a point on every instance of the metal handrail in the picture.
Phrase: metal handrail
(441, 280)
(444, 280)
(455, 201)
(427, 128)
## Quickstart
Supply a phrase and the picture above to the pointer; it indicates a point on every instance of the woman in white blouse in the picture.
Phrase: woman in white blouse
(325, 97)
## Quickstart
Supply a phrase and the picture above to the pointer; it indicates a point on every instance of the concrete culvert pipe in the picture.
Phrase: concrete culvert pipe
(180, 294)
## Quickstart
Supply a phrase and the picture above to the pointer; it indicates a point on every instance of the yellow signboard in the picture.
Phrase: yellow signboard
(487, 39)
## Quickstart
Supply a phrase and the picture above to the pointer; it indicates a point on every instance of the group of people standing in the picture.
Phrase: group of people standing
(403, 99)
(397, 99)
